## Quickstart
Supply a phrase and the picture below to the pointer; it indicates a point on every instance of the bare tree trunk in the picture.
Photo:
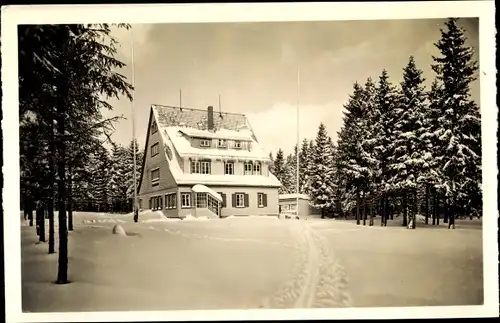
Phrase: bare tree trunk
(70, 199)
(30, 211)
(364, 208)
(41, 222)
(416, 209)
(37, 218)
(25, 209)
(391, 205)
(452, 217)
(438, 208)
(445, 219)
(50, 201)
(427, 204)
(405, 211)
(434, 207)
(382, 212)
(372, 212)
(50, 211)
(357, 208)
(62, 269)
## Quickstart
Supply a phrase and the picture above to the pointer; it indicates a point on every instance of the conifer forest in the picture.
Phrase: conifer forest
(404, 150)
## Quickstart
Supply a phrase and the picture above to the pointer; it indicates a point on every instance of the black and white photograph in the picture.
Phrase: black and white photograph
(271, 161)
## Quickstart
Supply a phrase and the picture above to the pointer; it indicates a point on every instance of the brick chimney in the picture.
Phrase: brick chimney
(210, 118)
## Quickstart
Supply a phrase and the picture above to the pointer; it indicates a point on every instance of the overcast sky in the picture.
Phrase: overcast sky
(253, 66)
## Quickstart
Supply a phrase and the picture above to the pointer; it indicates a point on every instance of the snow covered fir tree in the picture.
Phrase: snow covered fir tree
(403, 150)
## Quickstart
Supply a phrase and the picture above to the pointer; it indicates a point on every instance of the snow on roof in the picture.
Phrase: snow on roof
(198, 188)
(168, 120)
(219, 134)
(184, 148)
(167, 116)
(293, 196)
(231, 180)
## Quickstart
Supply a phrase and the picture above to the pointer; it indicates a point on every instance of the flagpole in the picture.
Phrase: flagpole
(180, 98)
(298, 136)
(136, 216)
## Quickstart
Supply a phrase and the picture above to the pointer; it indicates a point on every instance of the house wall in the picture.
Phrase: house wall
(151, 162)
(171, 213)
(182, 211)
(253, 208)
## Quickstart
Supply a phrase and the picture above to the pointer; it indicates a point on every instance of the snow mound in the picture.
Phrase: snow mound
(252, 217)
(118, 229)
(162, 219)
(189, 217)
(152, 216)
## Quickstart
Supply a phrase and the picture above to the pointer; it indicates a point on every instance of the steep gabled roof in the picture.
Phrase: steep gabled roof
(169, 116)
(176, 124)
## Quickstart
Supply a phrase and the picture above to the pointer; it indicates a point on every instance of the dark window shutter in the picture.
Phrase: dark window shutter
(246, 200)
(264, 199)
(233, 198)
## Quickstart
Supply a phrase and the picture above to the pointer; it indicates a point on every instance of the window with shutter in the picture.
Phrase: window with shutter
(233, 200)
(265, 200)
(240, 199)
(260, 199)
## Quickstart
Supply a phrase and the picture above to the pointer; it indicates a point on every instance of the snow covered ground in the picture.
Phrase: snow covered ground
(251, 262)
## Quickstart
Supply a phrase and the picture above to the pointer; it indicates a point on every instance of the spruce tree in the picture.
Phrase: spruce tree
(303, 163)
(321, 177)
(128, 174)
(271, 163)
(458, 136)
(291, 171)
(383, 145)
(367, 160)
(309, 168)
(281, 173)
(412, 156)
(348, 151)
(119, 178)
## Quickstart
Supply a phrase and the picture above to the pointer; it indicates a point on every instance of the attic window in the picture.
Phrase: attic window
(154, 127)
(204, 143)
(237, 144)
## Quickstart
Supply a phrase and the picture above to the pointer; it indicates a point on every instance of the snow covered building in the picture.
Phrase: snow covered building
(288, 205)
(202, 163)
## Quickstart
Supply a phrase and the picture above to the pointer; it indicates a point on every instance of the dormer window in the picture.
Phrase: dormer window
(222, 143)
(257, 170)
(248, 168)
(237, 144)
(253, 168)
(204, 143)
